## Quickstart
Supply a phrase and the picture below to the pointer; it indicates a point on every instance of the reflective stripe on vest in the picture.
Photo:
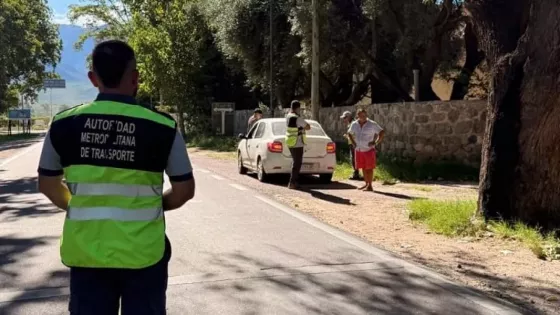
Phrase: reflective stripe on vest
(115, 214)
(115, 217)
(84, 189)
(293, 131)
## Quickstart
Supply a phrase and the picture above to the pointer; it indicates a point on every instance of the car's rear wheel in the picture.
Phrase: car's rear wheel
(240, 168)
(326, 178)
(261, 174)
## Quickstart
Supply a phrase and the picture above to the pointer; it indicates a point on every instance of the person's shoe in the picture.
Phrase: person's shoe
(293, 186)
(362, 187)
(355, 176)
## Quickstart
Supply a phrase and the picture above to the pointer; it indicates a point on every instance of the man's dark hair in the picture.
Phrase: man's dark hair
(110, 60)
(257, 111)
(295, 105)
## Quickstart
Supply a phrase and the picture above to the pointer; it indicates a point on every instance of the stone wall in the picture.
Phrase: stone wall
(450, 130)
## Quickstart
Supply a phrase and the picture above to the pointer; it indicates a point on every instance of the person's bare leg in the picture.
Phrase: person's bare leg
(369, 178)
(365, 181)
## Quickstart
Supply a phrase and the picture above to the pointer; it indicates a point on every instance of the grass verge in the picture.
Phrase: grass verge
(344, 170)
(458, 218)
(15, 137)
(214, 143)
(390, 169)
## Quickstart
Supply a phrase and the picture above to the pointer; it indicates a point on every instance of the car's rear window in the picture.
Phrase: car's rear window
(279, 129)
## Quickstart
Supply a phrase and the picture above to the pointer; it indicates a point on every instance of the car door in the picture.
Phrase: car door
(255, 143)
(244, 147)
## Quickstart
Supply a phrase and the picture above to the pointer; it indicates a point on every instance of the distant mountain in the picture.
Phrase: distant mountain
(73, 69)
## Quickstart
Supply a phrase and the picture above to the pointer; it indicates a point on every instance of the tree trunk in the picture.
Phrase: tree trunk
(181, 120)
(520, 173)
(473, 57)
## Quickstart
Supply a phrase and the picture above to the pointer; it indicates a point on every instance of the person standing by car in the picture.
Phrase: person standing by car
(257, 115)
(347, 118)
(295, 140)
(365, 134)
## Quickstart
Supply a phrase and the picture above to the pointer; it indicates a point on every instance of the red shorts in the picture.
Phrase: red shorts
(365, 160)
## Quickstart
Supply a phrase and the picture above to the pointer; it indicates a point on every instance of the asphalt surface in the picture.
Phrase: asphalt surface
(235, 251)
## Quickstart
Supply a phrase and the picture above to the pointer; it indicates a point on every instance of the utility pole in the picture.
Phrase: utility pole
(271, 48)
(315, 102)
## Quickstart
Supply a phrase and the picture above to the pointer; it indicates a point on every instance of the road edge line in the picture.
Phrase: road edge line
(484, 300)
(20, 154)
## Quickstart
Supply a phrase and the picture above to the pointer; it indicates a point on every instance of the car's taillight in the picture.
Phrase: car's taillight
(275, 147)
(331, 147)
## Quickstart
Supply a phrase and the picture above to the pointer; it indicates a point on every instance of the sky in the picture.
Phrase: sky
(60, 9)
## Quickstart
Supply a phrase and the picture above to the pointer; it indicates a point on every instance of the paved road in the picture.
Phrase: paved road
(234, 252)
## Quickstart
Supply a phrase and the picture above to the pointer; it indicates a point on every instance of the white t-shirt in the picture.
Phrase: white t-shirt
(365, 134)
(301, 123)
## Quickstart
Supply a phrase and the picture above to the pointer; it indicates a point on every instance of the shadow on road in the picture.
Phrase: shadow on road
(398, 196)
(383, 289)
(328, 197)
(18, 144)
(313, 186)
(19, 198)
(19, 201)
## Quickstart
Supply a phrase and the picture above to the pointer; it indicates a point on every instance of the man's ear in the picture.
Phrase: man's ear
(93, 78)
(135, 78)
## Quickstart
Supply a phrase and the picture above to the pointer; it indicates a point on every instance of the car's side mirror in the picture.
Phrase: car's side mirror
(241, 136)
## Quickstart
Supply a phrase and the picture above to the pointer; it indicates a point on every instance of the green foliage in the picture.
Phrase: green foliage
(390, 169)
(242, 31)
(28, 44)
(214, 143)
(104, 19)
(543, 246)
(450, 218)
(459, 218)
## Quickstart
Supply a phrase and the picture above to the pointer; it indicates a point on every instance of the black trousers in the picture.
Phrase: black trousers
(97, 291)
(297, 157)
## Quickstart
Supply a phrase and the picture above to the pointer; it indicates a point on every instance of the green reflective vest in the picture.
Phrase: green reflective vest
(293, 131)
(115, 216)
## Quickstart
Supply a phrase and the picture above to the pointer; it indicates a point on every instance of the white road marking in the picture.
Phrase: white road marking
(236, 186)
(22, 153)
(418, 270)
(218, 177)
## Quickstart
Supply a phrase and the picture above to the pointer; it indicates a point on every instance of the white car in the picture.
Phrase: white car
(263, 150)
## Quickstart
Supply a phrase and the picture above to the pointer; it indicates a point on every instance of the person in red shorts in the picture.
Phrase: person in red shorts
(365, 134)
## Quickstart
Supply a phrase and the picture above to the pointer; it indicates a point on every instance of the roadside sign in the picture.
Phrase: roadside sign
(19, 114)
(221, 110)
(54, 84)
(227, 107)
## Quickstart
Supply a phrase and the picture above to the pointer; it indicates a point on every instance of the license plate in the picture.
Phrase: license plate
(308, 166)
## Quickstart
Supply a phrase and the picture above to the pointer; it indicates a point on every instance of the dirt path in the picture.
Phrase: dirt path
(505, 269)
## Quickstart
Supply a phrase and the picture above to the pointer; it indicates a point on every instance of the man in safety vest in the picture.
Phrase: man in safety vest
(112, 154)
(295, 140)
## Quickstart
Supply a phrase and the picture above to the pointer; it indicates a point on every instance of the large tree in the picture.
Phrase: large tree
(520, 175)
(29, 44)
